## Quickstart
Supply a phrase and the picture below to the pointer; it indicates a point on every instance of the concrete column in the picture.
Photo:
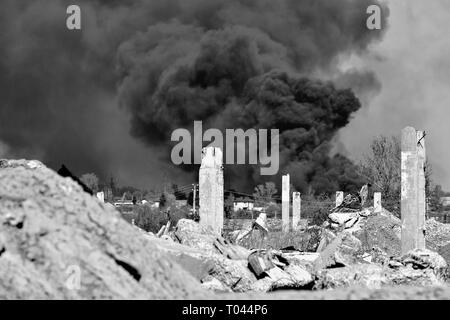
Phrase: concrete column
(377, 202)
(296, 210)
(411, 215)
(211, 189)
(285, 202)
(421, 198)
(339, 198)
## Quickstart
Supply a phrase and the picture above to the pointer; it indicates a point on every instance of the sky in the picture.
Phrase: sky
(412, 63)
(83, 124)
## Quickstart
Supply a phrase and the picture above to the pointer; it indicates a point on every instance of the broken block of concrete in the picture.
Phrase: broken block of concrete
(260, 262)
(339, 198)
(342, 251)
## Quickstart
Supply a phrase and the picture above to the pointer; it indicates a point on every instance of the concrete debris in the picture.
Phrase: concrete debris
(231, 251)
(192, 234)
(58, 242)
(351, 203)
(363, 193)
(375, 276)
(367, 275)
(280, 269)
(234, 274)
(342, 251)
(346, 219)
(426, 259)
(260, 262)
(380, 233)
(437, 234)
(48, 224)
(213, 284)
(260, 225)
(444, 251)
(292, 277)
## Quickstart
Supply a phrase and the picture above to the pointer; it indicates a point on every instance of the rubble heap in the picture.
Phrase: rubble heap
(52, 234)
(59, 242)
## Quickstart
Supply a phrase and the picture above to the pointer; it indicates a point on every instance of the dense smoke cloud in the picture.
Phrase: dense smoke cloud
(246, 69)
(229, 63)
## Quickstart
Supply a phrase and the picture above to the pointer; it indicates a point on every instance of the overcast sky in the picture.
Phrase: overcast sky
(412, 62)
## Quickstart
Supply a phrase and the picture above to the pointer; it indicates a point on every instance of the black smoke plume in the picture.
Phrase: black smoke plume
(230, 63)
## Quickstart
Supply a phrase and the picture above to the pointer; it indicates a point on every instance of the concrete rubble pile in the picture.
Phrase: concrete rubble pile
(58, 242)
(48, 225)
(365, 256)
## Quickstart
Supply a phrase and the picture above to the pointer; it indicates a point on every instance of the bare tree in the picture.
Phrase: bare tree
(90, 180)
(382, 165)
(382, 168)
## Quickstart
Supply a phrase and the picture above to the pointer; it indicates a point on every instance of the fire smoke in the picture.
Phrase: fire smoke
(230, 63)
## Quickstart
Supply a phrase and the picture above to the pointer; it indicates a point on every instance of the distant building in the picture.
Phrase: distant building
(243, 204)
(120, 203)
(154, 204)
(445, 201)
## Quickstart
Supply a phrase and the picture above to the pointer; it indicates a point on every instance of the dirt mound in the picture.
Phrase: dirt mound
(58, 242)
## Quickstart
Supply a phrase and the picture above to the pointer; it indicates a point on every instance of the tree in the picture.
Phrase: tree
(264, 193)
(91, 181)
(435, 199)
(229, 206)
(138, 195)
(167, 200)
(382, 168)
(112, 185)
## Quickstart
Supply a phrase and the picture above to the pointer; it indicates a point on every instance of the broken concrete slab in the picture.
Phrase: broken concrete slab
(192, 234)
(260, 262)
(292, 277)
(347, 219)
(234, 274)
(342, 251)
(426, 259)
(212, 284)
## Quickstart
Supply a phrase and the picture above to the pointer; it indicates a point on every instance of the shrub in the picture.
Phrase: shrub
(176, 214)
(273, 210)
(152, 219)
(244, 214)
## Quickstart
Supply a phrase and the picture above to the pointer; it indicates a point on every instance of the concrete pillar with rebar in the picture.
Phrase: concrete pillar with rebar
(412, 189)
